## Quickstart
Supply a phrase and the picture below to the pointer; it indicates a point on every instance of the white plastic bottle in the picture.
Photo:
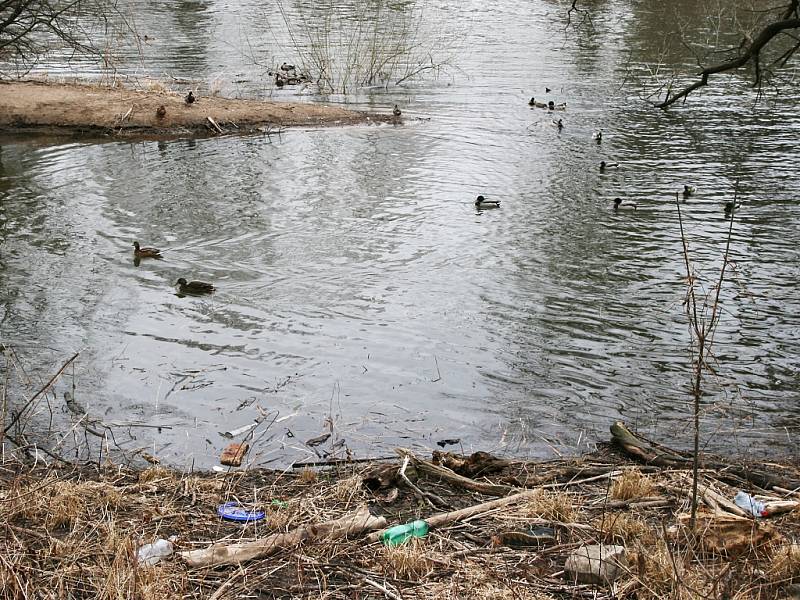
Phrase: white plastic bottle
(751, 505)
(150, 554)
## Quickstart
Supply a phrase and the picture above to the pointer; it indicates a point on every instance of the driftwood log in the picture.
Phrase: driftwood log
(226, 554)
(438, 471)
(652, 453)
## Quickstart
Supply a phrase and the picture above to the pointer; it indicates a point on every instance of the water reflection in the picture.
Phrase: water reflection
(355, 278)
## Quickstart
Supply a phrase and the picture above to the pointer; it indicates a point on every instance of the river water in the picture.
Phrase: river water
(357, 282)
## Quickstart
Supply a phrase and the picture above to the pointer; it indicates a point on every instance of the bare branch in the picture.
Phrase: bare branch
(764, 37)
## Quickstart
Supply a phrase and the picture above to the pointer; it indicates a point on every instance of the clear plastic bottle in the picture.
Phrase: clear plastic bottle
(399, 534)
(150, 554)
(750, 504)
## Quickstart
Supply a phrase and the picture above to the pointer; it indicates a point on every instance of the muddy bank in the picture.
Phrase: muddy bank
(499, 528)
(36, 107)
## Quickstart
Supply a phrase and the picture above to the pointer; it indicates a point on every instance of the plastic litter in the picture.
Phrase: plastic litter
(233, 511)
(150, 554)
(747, 502)
(399, 534)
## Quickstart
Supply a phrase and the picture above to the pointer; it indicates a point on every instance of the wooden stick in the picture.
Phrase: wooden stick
(223, 553)
(407, 481)
(461, 514)
(214, 123)
(490, 489)
(378, 586)
(40, 392)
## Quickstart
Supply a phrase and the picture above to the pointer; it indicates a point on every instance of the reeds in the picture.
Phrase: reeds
(345, 47)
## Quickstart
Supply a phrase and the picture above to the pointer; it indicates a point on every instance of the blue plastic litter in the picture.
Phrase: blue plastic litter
(233, 511)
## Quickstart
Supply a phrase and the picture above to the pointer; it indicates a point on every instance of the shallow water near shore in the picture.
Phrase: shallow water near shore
(356, 279)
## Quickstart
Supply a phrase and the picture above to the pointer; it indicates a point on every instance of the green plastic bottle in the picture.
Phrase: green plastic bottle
(399, 534)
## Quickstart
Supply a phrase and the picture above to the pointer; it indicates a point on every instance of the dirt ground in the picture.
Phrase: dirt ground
(85, 110)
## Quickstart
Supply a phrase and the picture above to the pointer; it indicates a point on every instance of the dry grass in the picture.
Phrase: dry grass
(632, 484)
(409, 561)
(625, 528)
(785, 566)
(74, 534)
(550, 505)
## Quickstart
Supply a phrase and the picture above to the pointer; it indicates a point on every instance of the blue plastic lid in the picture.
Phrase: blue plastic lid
(233, 511)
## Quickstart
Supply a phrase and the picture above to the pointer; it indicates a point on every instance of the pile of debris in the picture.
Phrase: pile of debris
(615, 523)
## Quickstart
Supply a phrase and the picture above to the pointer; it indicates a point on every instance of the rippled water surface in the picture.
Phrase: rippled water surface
(355, 278)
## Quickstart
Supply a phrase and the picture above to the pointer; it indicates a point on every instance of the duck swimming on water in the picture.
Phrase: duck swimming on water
(146, 252)
(194, 288)
(559, 124)
(533, 102)
(730, 207)
(604, 165)
(481, 203)
(688, 190)
(619, 206)
(597, 136)
(396, 112)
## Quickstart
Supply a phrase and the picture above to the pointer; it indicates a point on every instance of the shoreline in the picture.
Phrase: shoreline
(91, 111)
(499, 528)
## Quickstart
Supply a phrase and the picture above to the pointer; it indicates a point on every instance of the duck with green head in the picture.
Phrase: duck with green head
(618, 205)
(481, 203)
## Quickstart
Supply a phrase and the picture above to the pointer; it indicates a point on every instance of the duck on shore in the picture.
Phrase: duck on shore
(161, 112)
(481, 203)
(396, 112)
(146, 252)
(194, 288)
(190, 98)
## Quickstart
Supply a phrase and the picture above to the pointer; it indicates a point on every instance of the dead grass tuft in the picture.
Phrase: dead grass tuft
(632, 484)
(625, 528)
(785, 564)
(155, 474)
(408, 561)
(308, 475)
(550, 505)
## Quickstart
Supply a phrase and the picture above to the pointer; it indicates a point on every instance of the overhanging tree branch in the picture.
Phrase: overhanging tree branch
(751, 53)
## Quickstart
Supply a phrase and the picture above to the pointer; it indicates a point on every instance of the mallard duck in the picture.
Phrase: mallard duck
(730, 207)
(619, 206)
(190, 98)
(688, 190)
(533, 102)
(559, 124)
(481, 203)
(604, 165)
(161, 112)
(598, 136)
(553, 106)
(194, 287)
(146, 252)
(396, 112)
